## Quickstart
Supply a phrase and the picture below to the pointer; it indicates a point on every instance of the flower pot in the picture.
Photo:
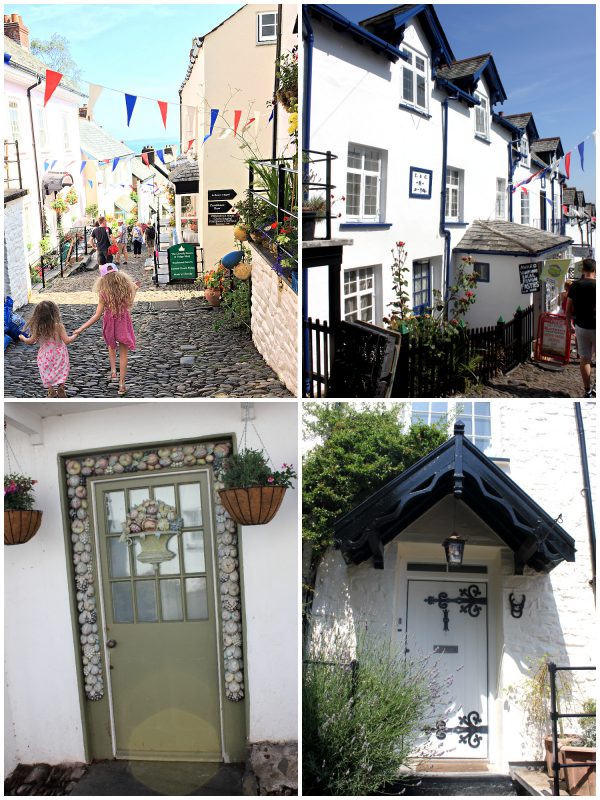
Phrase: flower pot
(256, 505)
(240, 233)
(562, 740)
(309, 221)
(213, 296)
(21, 526)
(580, 780)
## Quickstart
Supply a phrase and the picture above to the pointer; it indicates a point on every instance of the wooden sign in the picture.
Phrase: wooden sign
(182, 262)
(554, 339)
(223, 219)
(528, 275)
(221, 194)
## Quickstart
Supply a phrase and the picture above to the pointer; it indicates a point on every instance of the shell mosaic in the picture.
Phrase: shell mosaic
(78, 470)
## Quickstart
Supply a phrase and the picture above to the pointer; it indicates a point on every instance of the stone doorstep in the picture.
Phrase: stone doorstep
(535, 781)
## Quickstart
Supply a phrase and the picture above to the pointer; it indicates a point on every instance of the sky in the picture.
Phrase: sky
(545, 56)
(141, 49)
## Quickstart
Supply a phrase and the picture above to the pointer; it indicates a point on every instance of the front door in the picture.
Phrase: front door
(159, 627)
(447, 620)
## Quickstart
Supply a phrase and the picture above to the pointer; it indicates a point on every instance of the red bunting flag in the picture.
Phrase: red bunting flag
(163, 111)
(52, 80)
(565, 210)
(250, 121)
(237, 115)
(568, 165)
(145, 159)
(190, 143)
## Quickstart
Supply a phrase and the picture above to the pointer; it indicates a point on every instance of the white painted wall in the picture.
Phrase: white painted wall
(41, 666)
(559, 614)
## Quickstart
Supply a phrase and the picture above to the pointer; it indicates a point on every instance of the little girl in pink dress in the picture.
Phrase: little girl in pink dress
(48, 331)
(116, 293)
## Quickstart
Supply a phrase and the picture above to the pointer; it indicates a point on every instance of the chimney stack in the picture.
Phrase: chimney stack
(83, 112)
(15, 29)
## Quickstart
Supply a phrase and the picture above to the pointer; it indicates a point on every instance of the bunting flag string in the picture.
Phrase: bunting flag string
(568, 165)
(271, 115)
(52, 80)
(189, 144)
(214, 113)
(83, 163)
(580, 148)
(161, 155)
(94, 93)
(130, 100)
(163, 106)
(237, 115)
(115, 162)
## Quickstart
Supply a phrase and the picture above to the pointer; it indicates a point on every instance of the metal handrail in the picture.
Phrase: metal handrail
(307, 185)
(555, 716)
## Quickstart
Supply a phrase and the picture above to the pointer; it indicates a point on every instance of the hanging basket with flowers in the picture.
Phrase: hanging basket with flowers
(71, 197)
(59, 205)
(21, 520)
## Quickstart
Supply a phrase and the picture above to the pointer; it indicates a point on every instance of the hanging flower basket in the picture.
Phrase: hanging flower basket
(21, 526)
(255, 505)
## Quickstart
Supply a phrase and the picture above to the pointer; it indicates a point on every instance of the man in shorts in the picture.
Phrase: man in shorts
(581, 306)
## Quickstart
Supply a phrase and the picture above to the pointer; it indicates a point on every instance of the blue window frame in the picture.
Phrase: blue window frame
(421, 287)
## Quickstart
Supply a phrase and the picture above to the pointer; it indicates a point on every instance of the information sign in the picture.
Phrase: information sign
(528, 274)
(221, 194)
(223, 219)
(219, 207)
(554, 339)
(182, 262)
(555, 269)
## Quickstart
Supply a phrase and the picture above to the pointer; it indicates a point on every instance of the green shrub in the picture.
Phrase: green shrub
(92, 211)
(361, 717)
(235, 306)
(588, 725)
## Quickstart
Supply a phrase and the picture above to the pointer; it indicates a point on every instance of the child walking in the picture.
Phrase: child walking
(116, 293)
(48, 331)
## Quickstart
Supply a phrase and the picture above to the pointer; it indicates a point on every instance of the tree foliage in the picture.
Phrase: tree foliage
(55, 52)
(360, 449)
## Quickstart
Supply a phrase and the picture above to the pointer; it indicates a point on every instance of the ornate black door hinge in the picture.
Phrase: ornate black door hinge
(470, 602)
(470, 729)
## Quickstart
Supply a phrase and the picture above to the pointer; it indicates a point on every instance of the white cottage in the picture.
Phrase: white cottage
(518, 489)
(420, 154)
(108, 658)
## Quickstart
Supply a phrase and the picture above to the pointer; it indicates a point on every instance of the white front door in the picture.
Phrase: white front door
(447, 620)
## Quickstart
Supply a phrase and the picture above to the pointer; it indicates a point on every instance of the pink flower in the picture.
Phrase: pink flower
(270, 479)
(469, 294)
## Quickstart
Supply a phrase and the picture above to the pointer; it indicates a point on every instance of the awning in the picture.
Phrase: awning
(125, 203)
(456, 468)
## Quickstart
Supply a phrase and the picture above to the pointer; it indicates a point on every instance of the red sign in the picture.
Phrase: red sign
(553, 339)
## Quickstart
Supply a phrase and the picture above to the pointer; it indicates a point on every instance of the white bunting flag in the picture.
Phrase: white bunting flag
(227, 132)
(94, 93)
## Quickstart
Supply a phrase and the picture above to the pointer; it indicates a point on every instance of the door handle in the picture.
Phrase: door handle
(111, 643)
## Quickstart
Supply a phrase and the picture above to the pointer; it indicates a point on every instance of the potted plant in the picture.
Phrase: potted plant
(287, 72)
(253, 491)
(312, 209)
(21, 521)
(581, 780)
(214, 285)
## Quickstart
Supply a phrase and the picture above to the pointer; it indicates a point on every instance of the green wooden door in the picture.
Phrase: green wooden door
(159, 622)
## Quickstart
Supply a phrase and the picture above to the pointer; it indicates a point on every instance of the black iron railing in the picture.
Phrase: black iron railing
(314, 182)
(71, 246)
(555, 716)
(274, 183)
(12, 175)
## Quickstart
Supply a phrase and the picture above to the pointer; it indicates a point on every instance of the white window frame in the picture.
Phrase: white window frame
(482, 113)
(362, 273)
(42, 129)
(364, 173)
(14, 119)
(66, 133)
(430, 411)
(262, 38)
(410, 67)
(500, 198)
(451, 190)
(524, 150)
(525, 219)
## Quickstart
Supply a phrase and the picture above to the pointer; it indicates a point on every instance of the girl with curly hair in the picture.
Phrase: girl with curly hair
(48, 331)
(116, 293)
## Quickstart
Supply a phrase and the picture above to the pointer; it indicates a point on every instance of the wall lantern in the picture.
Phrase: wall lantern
(454, 548)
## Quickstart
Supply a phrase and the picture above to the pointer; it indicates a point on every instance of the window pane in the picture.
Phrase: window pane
(115, 511)
(407, 85)
(439, 406)
(353, 194)
(419, 63)
(366, 280)
(171, 567)
(165, 494)
(268, 31)
(119, 559)
(420, 417)
(139, 568)
(190, 504)
(483, 427)
(145, 595)
(354, 159)
(170, 597)
(468, 425)
(137, 496)
(268, 19)
(372, 161)
(350, 308)
(350, 281)
(420, 406)
(193, 551)
(122, 602)
(482, 408)
(466, 408)
(421, 91)
(370, 195)
(196, 597)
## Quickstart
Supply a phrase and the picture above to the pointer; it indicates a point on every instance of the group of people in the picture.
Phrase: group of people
(105, 242)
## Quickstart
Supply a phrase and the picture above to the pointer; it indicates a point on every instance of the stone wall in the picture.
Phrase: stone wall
(275, 321)
(17, 283)
(272, 769)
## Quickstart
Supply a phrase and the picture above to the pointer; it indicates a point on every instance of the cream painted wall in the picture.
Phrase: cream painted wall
(41, 677)
(234, 72)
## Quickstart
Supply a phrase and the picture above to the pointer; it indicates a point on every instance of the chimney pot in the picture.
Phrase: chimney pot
(15, 18)
(15, 29)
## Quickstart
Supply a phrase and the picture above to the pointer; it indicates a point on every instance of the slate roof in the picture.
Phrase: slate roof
(520, 120)
(545, 145)
(569, 196)
(508, 238)
(580, 199)
(184, 170)
(140, 170)
(463, 68)
(98, 143)
(21, 57)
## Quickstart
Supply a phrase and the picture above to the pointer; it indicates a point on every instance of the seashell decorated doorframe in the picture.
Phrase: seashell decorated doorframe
(78, 470)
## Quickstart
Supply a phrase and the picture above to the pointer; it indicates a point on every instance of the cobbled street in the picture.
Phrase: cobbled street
(178, 354)
(534, 380)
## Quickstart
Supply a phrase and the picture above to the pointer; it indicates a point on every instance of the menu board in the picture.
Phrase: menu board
(528, 274)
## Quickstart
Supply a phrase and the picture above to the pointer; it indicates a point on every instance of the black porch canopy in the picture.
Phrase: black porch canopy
(455, 468)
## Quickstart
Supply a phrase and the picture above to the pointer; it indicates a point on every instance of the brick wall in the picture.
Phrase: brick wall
(275, 321)
(17, 282)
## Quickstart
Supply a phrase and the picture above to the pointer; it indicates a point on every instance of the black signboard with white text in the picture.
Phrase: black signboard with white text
(528, 274)
(221, 194)
(223, 219)
(219, 207)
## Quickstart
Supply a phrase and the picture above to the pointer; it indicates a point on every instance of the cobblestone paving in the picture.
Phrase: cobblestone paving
(43, 779)
(534, 380)
(178, 353)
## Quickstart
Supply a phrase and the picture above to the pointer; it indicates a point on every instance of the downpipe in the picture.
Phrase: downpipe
(35, 158)
(308, 66)
(587, 493)
(443, 230)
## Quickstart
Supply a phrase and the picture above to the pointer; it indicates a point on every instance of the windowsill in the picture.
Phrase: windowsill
(483, 138)
(415, 110)
(346, 226)
(455, 224)
(270, 41)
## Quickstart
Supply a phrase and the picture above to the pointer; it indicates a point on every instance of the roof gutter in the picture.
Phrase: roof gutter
(35, 158)
(587, 493)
